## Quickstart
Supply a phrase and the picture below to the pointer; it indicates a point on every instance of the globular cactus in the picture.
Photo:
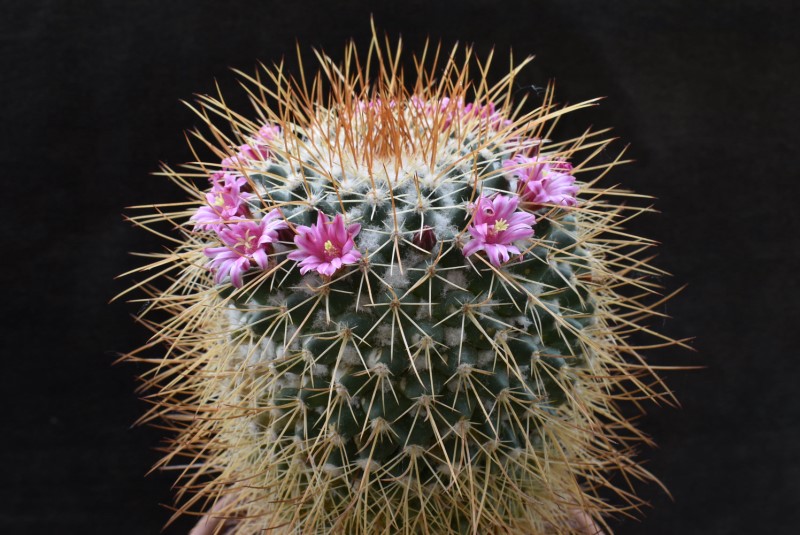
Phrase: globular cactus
(399, 308)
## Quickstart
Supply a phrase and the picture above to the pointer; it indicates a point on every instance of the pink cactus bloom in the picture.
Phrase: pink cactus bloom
(451, 110)
(245, 242)
(487, 113)
(269, 132)
(257, 152)
(225, 202)
(326, 246)
(543, 181)
(227, 181)
(496, 224)
(417, 102)
(376, 104)
(442, 108)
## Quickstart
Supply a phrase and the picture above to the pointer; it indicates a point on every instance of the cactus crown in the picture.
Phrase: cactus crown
(399, 308)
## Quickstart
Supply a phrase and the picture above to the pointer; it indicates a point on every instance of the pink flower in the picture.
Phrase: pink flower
(443, 109)
(223, 180)
(487, 113)
(326, 246)
(496, 225)
(226, 201)
(543, 181)
(246, 154)
(450, 110)
(269, 132)
(255, 151)
(376, 104)
(245, 242)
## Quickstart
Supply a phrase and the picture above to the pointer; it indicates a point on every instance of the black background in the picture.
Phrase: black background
(703, 91)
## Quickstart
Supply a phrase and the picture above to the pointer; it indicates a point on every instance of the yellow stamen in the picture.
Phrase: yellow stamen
(330, 248)
(219, 201)
(500, 225)
(247, 241)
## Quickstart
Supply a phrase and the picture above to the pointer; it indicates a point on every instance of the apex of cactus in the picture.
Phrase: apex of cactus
(395, 305)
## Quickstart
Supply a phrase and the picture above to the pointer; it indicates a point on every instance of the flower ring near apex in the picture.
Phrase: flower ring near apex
(245, 242)
(543, 181)
(496, 224)
(325, 246)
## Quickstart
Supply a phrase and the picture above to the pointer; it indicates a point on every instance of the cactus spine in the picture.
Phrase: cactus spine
(399, 309)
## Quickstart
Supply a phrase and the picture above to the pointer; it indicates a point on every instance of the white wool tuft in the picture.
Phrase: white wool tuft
(320, 370)
(293, 180)
(349, 184)
(268, 350)
(486, 357)
(375, 196)
(383, 334)
(354, 214)
(276, 298)
(442, 225)
(394, 278)
(234, 316)
(457, 277)
(523, 321)
(422, 362)
(486, 154)
(373, 357)
(369, 239)
(452, 336)
(350, 356)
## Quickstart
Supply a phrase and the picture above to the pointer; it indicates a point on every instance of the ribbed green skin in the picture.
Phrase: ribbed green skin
(438, 358)
(403, 388)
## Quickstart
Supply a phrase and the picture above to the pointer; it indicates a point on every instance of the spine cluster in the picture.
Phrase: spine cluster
(399, 311)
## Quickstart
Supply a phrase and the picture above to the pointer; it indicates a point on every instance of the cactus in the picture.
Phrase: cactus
(399, 308)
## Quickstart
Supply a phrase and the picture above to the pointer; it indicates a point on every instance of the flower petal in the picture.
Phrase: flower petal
(472, 247)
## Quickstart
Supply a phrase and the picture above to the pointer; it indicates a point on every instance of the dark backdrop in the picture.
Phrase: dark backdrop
(703, 91)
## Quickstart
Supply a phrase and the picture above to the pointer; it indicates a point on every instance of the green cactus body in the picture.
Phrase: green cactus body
(418, 389)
